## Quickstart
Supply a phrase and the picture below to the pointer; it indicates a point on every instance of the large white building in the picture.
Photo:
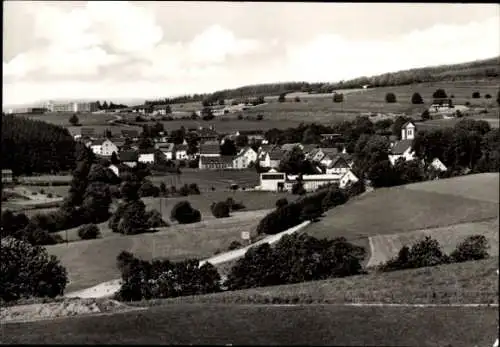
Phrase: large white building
(279, 181)
(404, 147)
(103, 147)
(71, 106)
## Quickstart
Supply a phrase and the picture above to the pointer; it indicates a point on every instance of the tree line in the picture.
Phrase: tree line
(32, 146)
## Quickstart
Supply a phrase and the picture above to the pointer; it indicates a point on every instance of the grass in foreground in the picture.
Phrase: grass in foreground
(469, 282)
(94, 261)
(269, 325)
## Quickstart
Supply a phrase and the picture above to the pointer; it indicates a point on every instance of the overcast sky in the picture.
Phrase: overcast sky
(108, 50)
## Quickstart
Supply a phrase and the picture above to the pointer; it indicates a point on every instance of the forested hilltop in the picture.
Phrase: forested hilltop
(30, 146)
(488, 68)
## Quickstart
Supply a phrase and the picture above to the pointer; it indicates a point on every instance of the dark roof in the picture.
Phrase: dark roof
(128, 156)
(166, 146)
(117, 142)
(161, 107)
(309, 148)
(181, 147)
(209, 148)
(87, 131)
(276, 154)
(223, 159)
(207, 132)
(251, 132)
(401, 146)
(339, 161)
(130, 133)
(97, 142)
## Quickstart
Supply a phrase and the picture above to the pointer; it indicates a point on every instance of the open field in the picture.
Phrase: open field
(100, 129)
(251, 200)
(396, 210)
(62, 118)
(269, 325)
(94, 261)
(206, 179)
(474, 282)
(384, 247)
(484, 187)
(54, 190)
(45, 178)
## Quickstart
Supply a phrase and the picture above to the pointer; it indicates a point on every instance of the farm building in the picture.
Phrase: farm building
(130, 133)
(207, 134)
(162, 109)
(210, 149)
(338, 166)
(214, 163)
(278, 181)
(7, 176)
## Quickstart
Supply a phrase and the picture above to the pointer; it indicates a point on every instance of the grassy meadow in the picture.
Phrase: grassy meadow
(269, 325)
(62, 118)
(94, 261)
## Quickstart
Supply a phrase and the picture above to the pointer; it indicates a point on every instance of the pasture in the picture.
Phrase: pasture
(269, 325)
(62, 118)
(460, 283)
(94, 261)
(206, 179)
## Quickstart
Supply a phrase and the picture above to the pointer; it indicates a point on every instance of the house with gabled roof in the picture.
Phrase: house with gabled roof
(167, 149)
(338, 166)
(181, 152)
(104, 147)
(245, 158)
(129, 158)
(272, 158)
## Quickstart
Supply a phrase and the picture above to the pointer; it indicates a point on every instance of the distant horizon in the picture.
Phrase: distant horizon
(148, 50)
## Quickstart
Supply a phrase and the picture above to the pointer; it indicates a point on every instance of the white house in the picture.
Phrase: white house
(271, 159)
(181, 152)
(244, 158)
(103, 147)
(147, 158)
(338, 166)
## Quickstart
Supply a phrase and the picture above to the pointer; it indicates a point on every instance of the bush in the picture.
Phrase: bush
(42, 191)
(193, 189)
(439, 94)
(426, 115)
(28, 271)
(184, 213)
(295, 258)
(234, 245)
(164, 279)
(472, 248)
(240, 117)
(333, 198)
(476, 95)
(390, 98)
(129, 218)
(154, 220)
(311, 212)
(281, 202)
(338, 97)
(487, 96)
(220, 209)
(416, 99)
(147, 188)
(297, 99)
(467, 103)
(49, 195)
(260, 117)
(298, 188)
(233, 205)
(423, 253)
(88, 232)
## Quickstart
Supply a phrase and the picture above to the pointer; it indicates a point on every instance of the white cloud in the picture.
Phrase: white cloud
(215, 43)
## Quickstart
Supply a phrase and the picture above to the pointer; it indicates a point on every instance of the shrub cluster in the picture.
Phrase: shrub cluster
(88, 232)
(184, 213)
(427, 252)
(220, 209)
(295, 258)
(28, 271)
(164, 279)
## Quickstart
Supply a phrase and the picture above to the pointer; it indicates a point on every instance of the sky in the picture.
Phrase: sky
(125, 49)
